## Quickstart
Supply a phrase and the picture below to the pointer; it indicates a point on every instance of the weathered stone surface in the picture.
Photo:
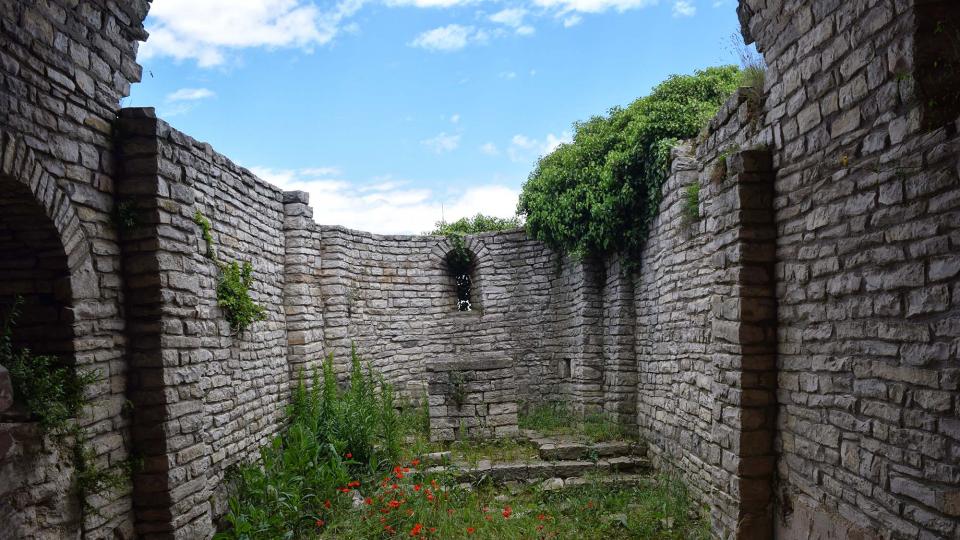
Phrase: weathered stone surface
(806, 323)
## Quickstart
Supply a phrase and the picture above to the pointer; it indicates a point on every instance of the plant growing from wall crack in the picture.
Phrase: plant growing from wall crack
(233, 285)
(54, 394)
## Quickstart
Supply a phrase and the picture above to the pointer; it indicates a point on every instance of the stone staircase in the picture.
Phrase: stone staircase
(563, 462)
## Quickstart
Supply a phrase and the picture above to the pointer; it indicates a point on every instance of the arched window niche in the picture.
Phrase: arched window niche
(461, 268)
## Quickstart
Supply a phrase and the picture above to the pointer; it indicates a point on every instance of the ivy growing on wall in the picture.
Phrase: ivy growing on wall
(54, 394)
(233, 286)
(598, 194)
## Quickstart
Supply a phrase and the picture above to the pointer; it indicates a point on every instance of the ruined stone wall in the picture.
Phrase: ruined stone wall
(64, 66)
(393, 297)
(212, 395)
(868, 278)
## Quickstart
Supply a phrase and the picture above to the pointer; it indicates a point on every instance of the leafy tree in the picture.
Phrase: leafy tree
(598, 193)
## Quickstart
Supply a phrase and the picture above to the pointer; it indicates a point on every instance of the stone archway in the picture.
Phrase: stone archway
(45, 262)
(478, 269)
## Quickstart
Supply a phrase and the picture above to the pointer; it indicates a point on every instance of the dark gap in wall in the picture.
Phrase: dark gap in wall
(936, 62)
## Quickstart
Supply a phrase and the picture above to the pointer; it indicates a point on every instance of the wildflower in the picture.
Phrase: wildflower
(388, 528)
(348, 455)
(541, 517)
(434, 484)
(589, 504)
(416, 487)
(506, 512)
(470, 530)
(368, 501)
(433, 530)
(430, 496)
(539, 527)
(326, 503)
(344, 490)
(415, 531)
(320, 523)
(414, 463)
(353, 484)
(394, 504)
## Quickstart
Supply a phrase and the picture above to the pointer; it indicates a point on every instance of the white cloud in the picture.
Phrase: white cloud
(190, 94)
(572, 20)
(526, 149)
(513, 18)
(442, 143)
(508, 75)
(183, 101)
(684, 8)
(490, 149)
(452, 37)
(387, 206)
(428, 3)
(208, 30)
(455, 119)
(593, 6)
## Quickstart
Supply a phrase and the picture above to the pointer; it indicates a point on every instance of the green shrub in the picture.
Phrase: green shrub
(233, 296)
(52, 391)
(597, 194)
(233, 287)
(335, 438)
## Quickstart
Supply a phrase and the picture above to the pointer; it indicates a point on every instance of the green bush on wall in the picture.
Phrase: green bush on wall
(233, 287)
(597, 194)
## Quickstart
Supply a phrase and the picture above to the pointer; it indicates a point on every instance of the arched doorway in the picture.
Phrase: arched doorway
(37, 495)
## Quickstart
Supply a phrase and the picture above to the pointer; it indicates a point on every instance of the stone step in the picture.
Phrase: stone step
(555, 451)
(542, 470)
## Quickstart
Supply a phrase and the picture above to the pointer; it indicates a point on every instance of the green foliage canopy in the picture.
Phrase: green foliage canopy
(597, 194)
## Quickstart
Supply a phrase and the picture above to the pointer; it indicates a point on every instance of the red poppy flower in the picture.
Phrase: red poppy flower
(355, 483)
(415, 531)
(470, 530)
(541, 517)
(394, 504)
(414, 463)
(326, 503)
(416, 487)
(320, 523)
(348, 455)
(368, 501)
(433, 530)
(344, 490)
(506, 512)
(388, 528)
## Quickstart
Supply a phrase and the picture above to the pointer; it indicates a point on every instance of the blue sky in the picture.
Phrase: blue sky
(392, 113)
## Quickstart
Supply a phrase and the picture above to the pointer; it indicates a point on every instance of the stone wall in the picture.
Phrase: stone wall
(867, 202)
(64, 66)
(393, 297)
(472, 399)
(205, 396)
(792, 350)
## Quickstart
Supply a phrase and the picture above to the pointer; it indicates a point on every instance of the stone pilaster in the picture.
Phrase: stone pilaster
(744, 340)
(302, 298)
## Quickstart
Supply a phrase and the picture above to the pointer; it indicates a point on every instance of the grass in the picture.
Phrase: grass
(691, 206)
(431, 507)
(556, 418)
(350, 467)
